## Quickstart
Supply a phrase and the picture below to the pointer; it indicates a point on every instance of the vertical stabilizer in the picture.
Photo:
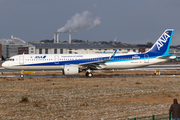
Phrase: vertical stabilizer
(162, 45)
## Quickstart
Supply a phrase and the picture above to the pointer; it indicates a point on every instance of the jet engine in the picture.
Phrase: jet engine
(71, 70)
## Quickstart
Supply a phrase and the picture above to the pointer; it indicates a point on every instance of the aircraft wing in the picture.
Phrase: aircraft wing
(97, 65)
(94, 65)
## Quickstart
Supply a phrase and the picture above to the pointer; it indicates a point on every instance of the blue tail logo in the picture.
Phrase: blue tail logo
(162, 45)
(162, 40)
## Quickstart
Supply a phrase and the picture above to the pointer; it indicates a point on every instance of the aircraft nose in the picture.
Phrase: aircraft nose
(4, 64)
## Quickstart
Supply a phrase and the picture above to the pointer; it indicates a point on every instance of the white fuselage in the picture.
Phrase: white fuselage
(57, 61)
(74, 63)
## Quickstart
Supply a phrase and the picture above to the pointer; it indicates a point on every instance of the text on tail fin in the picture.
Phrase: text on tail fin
(163, 39)
(162, 45)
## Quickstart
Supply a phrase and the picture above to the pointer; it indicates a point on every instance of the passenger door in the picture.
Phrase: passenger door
(146, 58)
(21, 59)
(56, 59)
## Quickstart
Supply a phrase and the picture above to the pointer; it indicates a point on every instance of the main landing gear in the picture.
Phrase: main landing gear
(88, 73)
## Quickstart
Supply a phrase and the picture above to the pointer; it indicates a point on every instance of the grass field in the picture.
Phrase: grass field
(81, 98)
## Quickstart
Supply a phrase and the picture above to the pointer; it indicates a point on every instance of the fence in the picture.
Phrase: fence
(155, 117)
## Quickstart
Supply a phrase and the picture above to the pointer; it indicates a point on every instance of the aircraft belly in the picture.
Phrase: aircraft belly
(124, 65)
(45, 67)
(36, 67)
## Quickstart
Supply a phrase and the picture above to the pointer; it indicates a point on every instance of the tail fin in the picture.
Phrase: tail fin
(161, 47)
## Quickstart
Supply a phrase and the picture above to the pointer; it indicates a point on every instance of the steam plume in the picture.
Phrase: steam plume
(80, 22)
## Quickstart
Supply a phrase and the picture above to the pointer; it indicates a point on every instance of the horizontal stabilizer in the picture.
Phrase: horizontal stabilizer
(166, 57)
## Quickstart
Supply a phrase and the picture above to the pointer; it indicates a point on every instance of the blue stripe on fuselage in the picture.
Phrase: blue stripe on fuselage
(120, 58)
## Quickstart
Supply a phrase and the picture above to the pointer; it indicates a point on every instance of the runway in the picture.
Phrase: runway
(173, 66)
(148, 68)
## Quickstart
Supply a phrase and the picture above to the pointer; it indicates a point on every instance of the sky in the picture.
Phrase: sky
(127, 21)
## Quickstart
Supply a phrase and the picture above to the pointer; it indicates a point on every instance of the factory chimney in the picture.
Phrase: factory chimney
(57, 37)
(54, 37)
(69, 38)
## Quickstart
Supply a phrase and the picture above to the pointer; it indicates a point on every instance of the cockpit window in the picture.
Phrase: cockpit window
(10, 59)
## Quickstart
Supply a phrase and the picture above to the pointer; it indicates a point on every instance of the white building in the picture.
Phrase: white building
(83, 48)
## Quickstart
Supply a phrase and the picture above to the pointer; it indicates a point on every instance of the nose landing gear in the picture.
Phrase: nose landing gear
(22, 74)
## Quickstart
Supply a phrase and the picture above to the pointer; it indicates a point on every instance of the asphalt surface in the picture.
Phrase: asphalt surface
(175, 66)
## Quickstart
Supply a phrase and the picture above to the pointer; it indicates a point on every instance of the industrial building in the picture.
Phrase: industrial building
(16, 46)
(79, 48)
(13, 46)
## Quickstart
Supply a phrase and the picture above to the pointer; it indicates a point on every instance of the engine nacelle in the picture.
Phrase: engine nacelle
(71, 70)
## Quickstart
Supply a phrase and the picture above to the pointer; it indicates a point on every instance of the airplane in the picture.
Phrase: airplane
(73, 64)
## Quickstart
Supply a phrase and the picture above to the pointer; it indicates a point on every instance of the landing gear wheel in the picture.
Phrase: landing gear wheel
(89, 74)
(21, 75)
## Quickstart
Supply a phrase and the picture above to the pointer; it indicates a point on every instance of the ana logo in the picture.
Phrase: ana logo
(163, 39)
(38, 57)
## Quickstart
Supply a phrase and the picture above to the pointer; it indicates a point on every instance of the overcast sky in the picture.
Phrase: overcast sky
(129, 21)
